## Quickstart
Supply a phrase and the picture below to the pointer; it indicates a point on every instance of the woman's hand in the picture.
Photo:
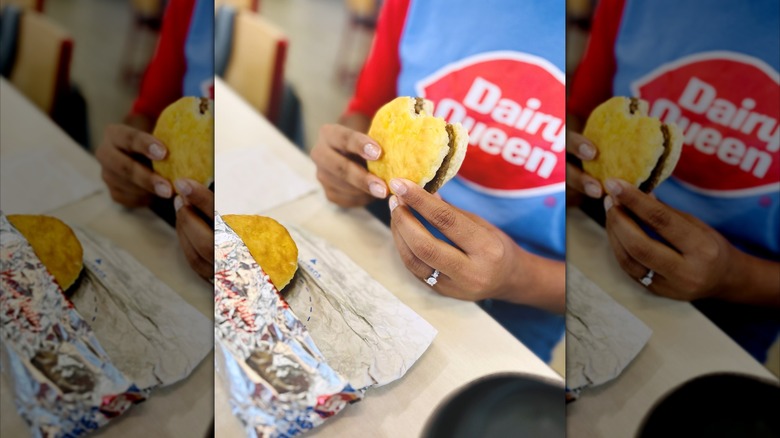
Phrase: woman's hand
(583, 149)
(124, 156)
(695, 262)
(484, 263)
(340, 155)
(195, 225)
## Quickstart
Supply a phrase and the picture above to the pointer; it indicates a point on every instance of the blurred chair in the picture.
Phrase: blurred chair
(41, 68)
(223, 37)
(35, 5)
(35, 55)
(147, 19)
(289, 119)
(361, 23)
(10, 15)
(255, 68)
(252, 5)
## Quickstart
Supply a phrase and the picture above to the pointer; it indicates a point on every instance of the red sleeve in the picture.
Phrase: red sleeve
(163, 81)
(377, 83)
(592, 81)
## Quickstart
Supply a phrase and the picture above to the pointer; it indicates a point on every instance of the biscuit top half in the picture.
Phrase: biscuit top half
(629, 142)
(55, 244)
(186, 128)
(270, 244)
(414, 143)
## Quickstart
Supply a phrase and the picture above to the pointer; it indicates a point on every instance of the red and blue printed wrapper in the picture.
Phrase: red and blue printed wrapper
(279, 383)
(64, 382)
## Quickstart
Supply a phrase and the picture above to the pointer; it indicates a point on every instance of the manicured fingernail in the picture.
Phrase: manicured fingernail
(393, 203)
(377, 190)
(183, 187)
(398, 187)
(608, 203)
(162, 189)
(178, 203)
(372, 151)
(613, 187)
(593, 190)
(156, 151)
(587, 152)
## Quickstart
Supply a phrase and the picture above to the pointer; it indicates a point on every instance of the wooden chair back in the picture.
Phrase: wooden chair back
(256, 66)
(35, 5)
(363, 8)
(251, 5)
(148, 8)
(41, 70)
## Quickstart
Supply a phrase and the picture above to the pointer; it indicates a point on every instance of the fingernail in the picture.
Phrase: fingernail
(398, 187)
(162, 189)
(593, 190)
(183, 187)
(608, 203)
(393, 203)
(156, 151)
(613, 187)
(377, 190)
(178, 203)
(587, 152)
(372, 151)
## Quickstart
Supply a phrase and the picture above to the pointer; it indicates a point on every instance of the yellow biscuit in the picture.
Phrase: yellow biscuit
(632, 146)
(270, 244)
(416, 145)
(54, 243)
(186, 127)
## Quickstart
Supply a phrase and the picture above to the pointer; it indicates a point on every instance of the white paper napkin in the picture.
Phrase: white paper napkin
(38, 182)
(253, 180)
(602, 337)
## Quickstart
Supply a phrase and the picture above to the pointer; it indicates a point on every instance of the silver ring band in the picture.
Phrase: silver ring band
(647, 280)
(432, 280)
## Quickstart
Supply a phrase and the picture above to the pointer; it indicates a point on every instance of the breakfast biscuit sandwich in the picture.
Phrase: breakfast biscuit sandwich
(270, 244)
(416, 145)
(55, 244)
(186, 127)
(632, 146)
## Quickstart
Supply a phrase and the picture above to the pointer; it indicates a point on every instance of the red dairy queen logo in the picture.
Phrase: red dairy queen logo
(727, 106)
(513, 106)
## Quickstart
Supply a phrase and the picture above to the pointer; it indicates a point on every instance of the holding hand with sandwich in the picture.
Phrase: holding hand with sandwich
(502, 247)
(137, 165)
(709, 233)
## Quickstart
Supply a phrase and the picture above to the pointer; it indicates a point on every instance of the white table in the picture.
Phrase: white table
(183, 409)
(470, 344)
(684, 343)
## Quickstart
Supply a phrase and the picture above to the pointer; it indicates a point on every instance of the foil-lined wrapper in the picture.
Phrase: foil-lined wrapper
(279, 383)
(64, 382)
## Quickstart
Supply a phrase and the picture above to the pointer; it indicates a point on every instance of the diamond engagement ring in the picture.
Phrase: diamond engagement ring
(647, 280)
(432, 280)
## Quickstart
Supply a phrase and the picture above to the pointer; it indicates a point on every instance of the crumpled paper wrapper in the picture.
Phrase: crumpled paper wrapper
(149, 332)
(602, 337)
(289, 365)
(367, 334)
(123, 328)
